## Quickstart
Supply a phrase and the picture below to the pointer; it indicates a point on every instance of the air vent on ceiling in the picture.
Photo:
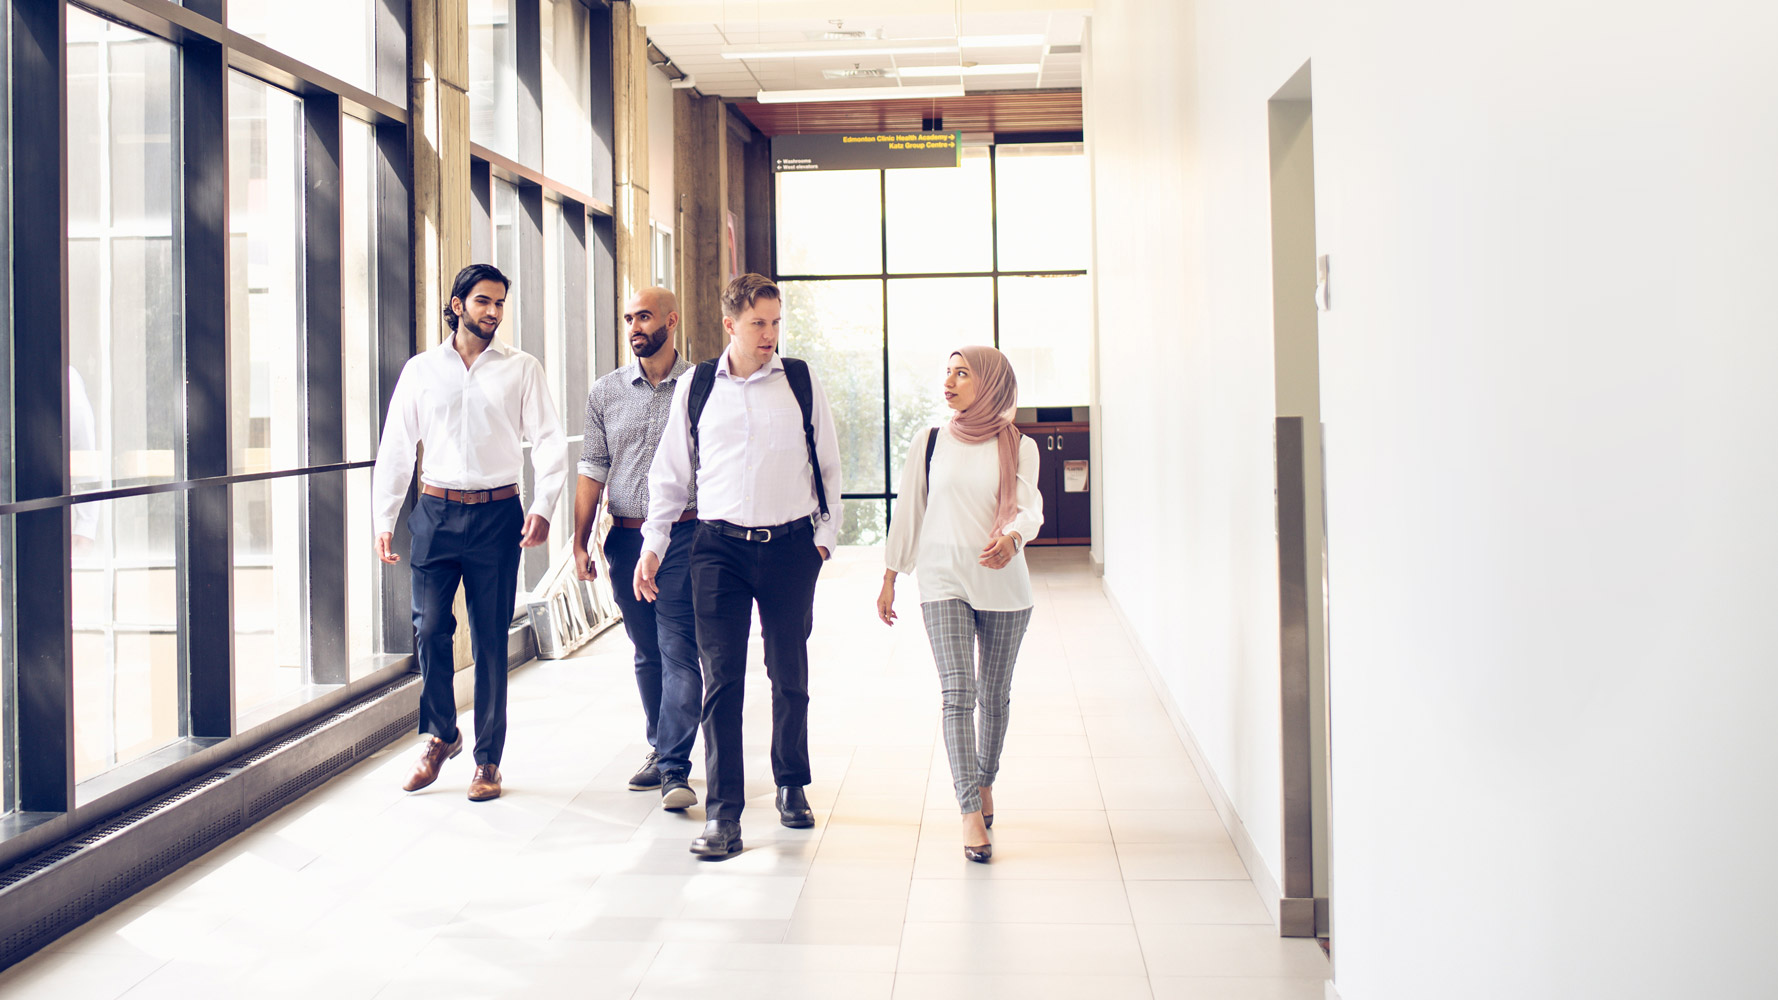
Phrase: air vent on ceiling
(854, 73)
(838, 33)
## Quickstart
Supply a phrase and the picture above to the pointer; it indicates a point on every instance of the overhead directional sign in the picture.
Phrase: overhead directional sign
(792, 153)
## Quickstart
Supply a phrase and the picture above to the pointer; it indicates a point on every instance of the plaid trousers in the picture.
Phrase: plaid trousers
(957, 631)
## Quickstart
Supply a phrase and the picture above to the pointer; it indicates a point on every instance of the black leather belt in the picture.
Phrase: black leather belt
(470, 496)
(771, 534)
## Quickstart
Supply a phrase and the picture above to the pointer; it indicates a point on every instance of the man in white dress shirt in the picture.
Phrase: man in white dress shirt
(471, 401)
(768, 469)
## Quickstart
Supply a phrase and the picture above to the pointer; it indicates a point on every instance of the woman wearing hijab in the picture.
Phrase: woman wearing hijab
(965, 529)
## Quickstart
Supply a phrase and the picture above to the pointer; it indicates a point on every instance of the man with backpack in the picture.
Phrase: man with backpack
(755, 430)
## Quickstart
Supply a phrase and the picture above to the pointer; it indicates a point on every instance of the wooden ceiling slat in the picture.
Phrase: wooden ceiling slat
(1009, 111)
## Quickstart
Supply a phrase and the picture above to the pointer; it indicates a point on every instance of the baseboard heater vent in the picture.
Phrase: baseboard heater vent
(51, 893)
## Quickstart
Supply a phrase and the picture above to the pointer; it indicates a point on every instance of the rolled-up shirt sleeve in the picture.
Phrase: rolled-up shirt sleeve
(670, 475)
(1029, 518)
(903, 544)
(549, 446)
(827, 451)
(396, 452)
(595, 453)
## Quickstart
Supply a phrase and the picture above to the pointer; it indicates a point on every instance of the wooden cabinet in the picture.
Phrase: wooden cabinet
(1067, 517)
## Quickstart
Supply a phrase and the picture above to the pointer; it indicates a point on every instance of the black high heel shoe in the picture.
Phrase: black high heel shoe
(979, 855)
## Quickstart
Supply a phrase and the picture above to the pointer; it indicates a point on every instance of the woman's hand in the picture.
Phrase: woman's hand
(886, 599)
(1000, 551)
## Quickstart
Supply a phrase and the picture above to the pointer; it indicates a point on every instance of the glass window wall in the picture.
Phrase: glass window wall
(555, 364)
(359, 299)
(663, 257)
(265, 277)
(270, 590)
(125, 579)
(837, 326)
(494, 75)
(364, 576)
(567, 93)
(507, 234)
(124, 345)
(125, 351)
(187, 313)
(1042, 208)
(830, 222)
(266, 389)
(909, 264)
(941, 221)
(867, 522)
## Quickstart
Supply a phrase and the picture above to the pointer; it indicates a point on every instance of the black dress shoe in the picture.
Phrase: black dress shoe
(793, 807)
(721, 838)
(979, 855)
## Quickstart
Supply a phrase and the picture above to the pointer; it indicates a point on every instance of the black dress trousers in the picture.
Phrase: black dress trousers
(477, 544)
(728, 576)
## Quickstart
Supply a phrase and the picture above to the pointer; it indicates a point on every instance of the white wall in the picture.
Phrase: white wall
(1548, 385)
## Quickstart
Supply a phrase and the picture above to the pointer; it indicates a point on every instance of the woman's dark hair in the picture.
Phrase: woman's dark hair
(466, 281)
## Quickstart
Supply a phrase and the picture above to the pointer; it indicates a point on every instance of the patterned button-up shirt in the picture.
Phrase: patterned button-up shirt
(624, 420)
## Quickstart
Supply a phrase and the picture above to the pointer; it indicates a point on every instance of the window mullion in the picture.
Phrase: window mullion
(205, 523)
(323, 384)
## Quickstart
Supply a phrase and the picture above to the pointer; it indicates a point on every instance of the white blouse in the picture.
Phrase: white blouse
(940, 536)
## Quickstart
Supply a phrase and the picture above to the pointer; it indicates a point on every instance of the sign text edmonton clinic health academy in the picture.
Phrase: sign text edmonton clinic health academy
(792, 153)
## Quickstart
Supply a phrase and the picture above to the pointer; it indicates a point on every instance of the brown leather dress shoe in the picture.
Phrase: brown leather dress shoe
(432, 758)
(486, 783)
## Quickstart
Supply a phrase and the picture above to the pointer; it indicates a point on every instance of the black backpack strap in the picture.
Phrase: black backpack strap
(931, 443)
(703, 379)
(796, 372)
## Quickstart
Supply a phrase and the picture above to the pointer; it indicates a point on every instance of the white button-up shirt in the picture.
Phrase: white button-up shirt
(753, 467)
(472, 420)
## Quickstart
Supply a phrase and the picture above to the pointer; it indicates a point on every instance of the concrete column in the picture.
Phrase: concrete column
(629, 70)
(700, 137)
(438, 99)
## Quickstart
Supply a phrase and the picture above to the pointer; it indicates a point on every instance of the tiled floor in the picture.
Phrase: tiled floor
(1111, 879)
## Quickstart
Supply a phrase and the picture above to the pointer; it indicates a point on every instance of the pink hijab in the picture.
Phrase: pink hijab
(990, 418)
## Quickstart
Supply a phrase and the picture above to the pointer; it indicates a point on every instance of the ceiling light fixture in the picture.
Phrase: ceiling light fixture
(797, 50)
(1001, 41)
(858, 94)
(857, 73)
(973, 69)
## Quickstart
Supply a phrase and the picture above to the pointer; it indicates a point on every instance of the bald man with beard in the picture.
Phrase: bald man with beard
(626, 411)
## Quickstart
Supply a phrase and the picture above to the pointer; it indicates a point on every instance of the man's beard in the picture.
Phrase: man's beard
(652, 345)
(476, 328)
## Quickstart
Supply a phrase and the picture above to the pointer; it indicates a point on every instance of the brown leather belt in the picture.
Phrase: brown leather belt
(637, 522)
(470, 496)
